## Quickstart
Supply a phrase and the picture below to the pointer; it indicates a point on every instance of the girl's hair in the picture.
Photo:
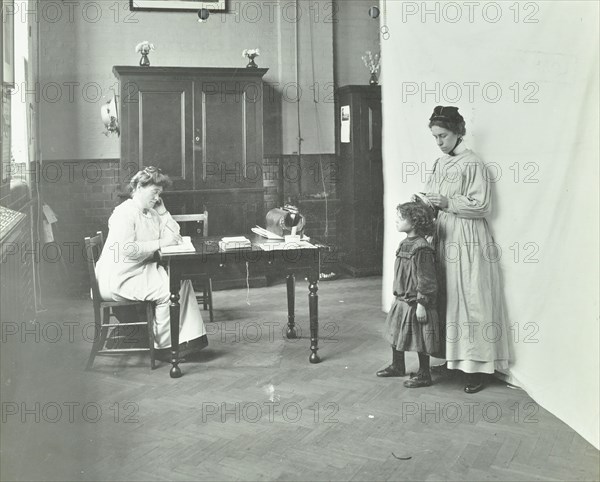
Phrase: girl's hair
(448, 118)
(419, 215)
(150, 175)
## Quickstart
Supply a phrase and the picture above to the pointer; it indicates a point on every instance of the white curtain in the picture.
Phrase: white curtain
(525, 77)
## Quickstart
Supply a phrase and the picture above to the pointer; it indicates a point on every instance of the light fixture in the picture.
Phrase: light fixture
(110, 116)
(374, 12)
(203, 15)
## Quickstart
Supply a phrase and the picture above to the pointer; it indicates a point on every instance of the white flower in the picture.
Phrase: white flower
(371, 61)
(251, 52)
(144, 47)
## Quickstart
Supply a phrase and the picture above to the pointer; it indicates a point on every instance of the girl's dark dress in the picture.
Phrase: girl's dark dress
(415, 282)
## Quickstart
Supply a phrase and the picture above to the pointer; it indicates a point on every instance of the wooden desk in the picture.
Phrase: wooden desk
(209, 260)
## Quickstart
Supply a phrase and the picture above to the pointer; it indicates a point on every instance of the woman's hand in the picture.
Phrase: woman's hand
(159, 207)
(170, 239)
(438, 199)
(421, 313)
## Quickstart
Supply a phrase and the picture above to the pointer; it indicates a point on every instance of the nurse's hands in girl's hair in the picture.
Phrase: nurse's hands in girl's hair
(438, 199)
(421, 313)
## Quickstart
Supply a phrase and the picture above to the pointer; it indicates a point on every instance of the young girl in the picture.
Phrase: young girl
(412, 323)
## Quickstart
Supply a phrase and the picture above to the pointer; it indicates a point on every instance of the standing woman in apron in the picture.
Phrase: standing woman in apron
(470, 300)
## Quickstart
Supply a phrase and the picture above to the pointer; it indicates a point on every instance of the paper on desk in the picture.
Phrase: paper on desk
(265, 233)
(284, 245)
(236, 239)
(185, 247)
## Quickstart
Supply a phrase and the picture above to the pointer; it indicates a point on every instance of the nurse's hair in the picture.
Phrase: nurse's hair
(419, 215)
(150, 176)
(448, 118)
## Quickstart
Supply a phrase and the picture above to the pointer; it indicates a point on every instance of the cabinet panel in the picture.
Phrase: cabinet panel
(163, 131)
(156, 127)
(228, 135)
(225, 133)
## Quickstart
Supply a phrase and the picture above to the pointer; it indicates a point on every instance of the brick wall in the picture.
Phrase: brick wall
(83, 195)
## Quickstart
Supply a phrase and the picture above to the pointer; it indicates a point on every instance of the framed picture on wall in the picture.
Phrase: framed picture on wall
(176, 5)
(8, 42)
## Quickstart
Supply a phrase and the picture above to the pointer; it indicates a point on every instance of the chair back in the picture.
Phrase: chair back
(197, 218)
(93, 249)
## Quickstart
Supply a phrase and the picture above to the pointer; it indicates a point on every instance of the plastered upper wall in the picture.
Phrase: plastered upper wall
(354, 33)
(80, 42)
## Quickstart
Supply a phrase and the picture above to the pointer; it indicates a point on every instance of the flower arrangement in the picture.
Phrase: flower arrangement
(144, 47)
(372, 61)
(251, 53)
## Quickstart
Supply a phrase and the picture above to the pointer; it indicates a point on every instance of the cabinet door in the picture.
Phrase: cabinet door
(159, 127)
(361, 181)
(228, 134)
(227, 151)
(372, 170)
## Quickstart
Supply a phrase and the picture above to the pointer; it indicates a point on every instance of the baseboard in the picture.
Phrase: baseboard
(236, 283)
(360, 271)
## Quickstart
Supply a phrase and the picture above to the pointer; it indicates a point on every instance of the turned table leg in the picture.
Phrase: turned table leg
(291, 301)
(313, 308)
(174, 312)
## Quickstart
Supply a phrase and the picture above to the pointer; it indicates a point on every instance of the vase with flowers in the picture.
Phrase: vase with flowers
(251, 54)
(372, 62)
(144, 48)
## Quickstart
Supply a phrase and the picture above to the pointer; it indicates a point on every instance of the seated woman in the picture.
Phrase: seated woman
(127, 269)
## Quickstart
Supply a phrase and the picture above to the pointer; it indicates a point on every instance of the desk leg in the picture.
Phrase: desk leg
(174, 310)
(313, 309)
(291, 299)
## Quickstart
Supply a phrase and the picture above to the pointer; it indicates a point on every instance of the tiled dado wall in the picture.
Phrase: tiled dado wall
(83, 194)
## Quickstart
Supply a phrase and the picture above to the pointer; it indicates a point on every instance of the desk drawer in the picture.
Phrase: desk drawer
(232, 264)
(300, 264)
(214, 267)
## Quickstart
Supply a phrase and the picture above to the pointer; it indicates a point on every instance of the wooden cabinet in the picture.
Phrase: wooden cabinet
(360, 183)
(203, 127)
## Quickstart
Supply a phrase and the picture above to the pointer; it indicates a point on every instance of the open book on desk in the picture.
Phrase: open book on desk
(279, 245)
(265, 233)
(185, 247)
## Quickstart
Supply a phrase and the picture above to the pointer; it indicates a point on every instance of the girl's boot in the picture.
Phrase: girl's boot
(423, 376)
(397, 368)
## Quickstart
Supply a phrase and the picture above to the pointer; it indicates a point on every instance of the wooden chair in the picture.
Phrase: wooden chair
(103, 310)
(200, 228)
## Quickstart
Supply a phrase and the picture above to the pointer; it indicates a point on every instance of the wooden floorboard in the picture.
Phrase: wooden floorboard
(251, 407)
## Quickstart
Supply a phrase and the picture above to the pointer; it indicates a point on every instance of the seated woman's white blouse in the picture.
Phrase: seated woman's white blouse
(128, 251)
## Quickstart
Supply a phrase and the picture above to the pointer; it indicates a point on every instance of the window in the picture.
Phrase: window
(18, 111)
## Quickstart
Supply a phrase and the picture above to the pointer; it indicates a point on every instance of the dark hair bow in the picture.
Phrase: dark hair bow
(449, 113)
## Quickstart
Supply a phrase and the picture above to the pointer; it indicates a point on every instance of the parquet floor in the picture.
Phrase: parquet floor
(251, 407)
